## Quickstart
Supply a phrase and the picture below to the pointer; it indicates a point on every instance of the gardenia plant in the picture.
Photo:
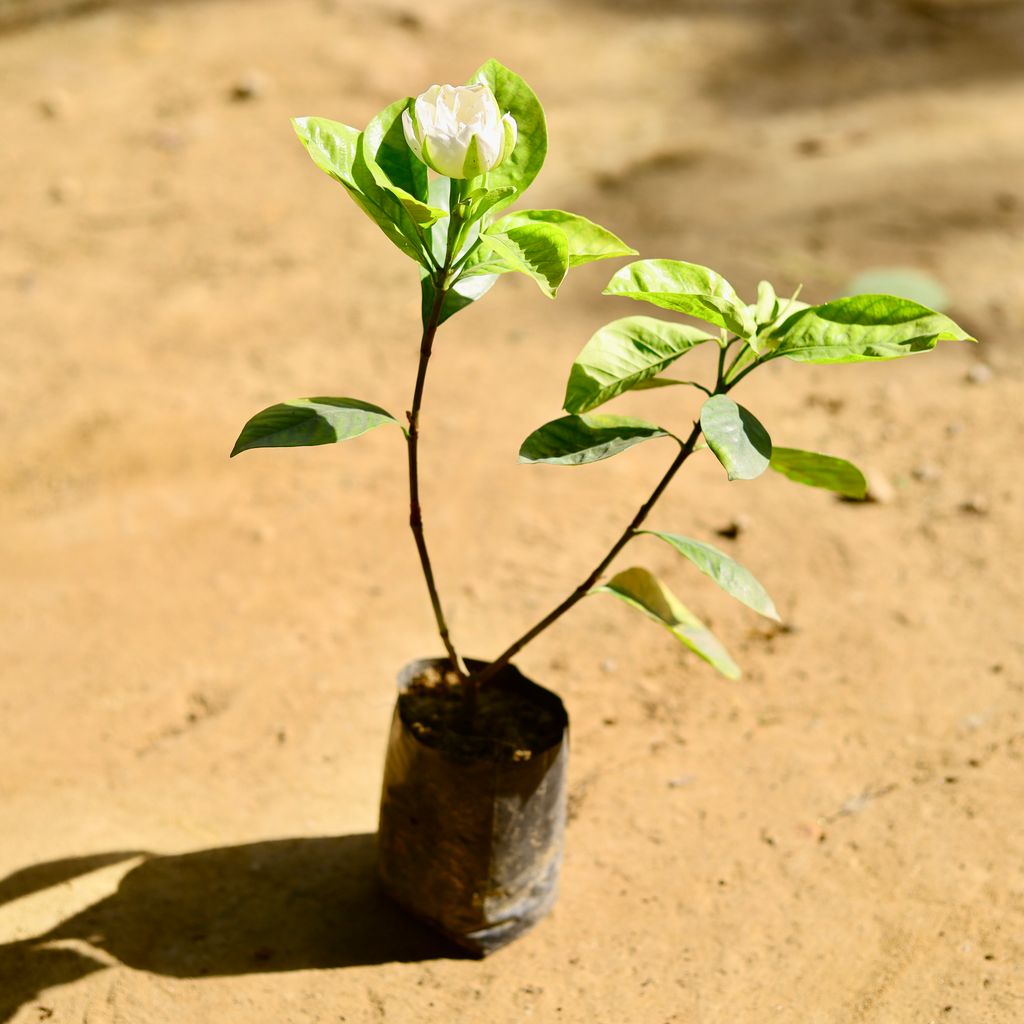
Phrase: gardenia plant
(486, 142)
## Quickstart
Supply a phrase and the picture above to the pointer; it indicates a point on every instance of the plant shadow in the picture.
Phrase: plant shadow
(281, 905)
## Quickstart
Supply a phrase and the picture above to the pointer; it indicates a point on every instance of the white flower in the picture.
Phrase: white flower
(458, 130)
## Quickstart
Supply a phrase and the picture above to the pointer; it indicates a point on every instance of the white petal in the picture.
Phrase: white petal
(445, 120)
(489, 148)
(410, 134)
(511, 133)
(426, 109)
(446, 155)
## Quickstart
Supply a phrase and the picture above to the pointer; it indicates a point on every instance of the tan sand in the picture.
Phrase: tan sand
(198, 656)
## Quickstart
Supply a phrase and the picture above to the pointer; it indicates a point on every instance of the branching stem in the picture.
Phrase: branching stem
(442, 280)
(685, 451)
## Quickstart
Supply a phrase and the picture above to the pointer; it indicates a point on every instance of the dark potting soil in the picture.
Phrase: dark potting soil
(512, 720)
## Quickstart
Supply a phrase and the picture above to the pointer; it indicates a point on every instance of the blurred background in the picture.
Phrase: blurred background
(197, 656)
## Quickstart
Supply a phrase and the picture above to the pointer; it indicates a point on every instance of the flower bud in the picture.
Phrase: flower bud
(458, 130)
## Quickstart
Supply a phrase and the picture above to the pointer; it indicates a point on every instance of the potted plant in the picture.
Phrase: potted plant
(473, 801)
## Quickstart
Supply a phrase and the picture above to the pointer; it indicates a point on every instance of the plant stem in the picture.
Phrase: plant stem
(747, 369)
(464, 258)
(685, 451)
(415, 511)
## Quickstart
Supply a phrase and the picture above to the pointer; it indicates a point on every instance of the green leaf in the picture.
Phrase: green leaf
(639, 589)
(817, 470)
(397, 164)
(732, 577)
(766, 309)
(337, 149)
(862, 328)
(523, 164)
(385, 209)
(463, 293)
(333, 146)
(310, 421)
(739, 441)
(623, 355)
(686, 288)
(747, 357)
(470, 284)
(578, 440)
(537, 250)
(394, 166)
(587, 241)
(664, 382)
(482, 200)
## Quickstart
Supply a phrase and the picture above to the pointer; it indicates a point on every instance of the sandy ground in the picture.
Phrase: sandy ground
(198, 655)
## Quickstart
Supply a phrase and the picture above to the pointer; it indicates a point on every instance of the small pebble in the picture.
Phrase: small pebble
(681, 780)
(810, 146)
(55, 105)
(609, 665)
(250, 86)
(927, 472)
(976, 506)
(66, 190)
(409, 20)
(953, 429)
(259, 534)
(979, 373)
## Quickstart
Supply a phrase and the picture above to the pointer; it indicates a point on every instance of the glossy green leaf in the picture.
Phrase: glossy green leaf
(624, 354)
(587, 241)
(651, 383)
(482, 200)
(394, 166)
(817, 470)
(333, 146)
(387, 208)
(747, 357)
(337, 149)
(766, 309)
(523, 164)
(439, 195)
(862, 328)
(463, 293)
(739, 441)
(732, 577)
(643, 591)
(310, 421)
(473, 282)
(578, 440)
(537, 250)
(686, 288)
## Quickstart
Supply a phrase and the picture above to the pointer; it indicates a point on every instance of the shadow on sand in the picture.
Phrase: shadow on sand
(818, 53)
(283, 905)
